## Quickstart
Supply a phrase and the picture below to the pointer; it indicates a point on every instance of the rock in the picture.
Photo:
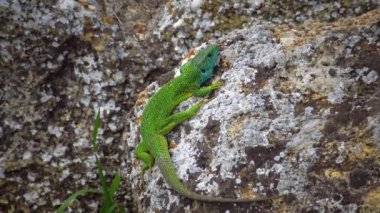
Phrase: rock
(294, 118)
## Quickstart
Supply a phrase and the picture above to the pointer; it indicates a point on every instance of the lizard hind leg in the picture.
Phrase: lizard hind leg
(142, 154)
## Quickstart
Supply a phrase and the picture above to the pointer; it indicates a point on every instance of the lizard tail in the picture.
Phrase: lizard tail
(168, 171)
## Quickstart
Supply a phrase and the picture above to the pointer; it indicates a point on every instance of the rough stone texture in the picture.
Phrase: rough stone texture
(298, 115)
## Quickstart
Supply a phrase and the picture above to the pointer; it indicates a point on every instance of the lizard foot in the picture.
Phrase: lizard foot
(217, 84)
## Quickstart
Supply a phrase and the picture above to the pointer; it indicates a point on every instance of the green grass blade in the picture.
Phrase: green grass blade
(97, 124)
(114, 184)
(108, 193)
(73, 197)
(107, 198)
(112, 208)
(121, 209)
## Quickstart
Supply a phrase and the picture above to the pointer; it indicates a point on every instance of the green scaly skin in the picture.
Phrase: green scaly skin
(158, 120)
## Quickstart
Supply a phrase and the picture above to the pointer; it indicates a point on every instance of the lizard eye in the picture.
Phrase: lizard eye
(203, 70)
(209, 55)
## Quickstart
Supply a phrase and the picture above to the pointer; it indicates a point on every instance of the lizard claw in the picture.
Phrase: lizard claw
(203, 101)
(217, 84)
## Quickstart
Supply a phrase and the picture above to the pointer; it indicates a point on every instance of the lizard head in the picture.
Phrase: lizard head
(204, 62)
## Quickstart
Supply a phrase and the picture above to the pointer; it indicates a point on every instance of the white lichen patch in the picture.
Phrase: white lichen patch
(66, 4)
(27, 155)
(366, 75)
(59, 150)
(207, 185)
(185, 158)
(55, 130)
(308, 134)
(2, 168)
(376, 134)
(336, 96)
(31, 196)
(158, 192)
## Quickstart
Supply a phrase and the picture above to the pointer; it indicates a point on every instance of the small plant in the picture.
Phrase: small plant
(108, 191)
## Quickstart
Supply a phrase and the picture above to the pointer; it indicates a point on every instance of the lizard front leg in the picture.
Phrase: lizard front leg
(180, 117)
(207, 89)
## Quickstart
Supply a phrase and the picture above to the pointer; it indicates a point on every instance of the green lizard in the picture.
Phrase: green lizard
(158, 120)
